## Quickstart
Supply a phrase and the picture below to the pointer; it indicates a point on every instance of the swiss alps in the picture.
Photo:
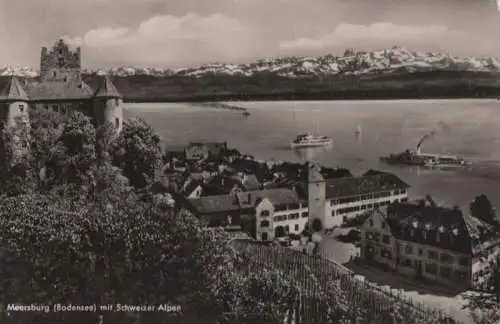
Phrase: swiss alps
(394, 60)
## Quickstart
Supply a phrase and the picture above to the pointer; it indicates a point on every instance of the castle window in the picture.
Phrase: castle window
(117, 101)
(54, 73)
(264, 223)
(46, 107)
(264, 213)
(296, 227)
(117, 122)
(21, 108)
(55, 108)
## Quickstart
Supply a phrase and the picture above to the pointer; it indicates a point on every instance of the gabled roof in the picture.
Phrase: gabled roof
(353, 186)
(243, 201)
(56, 90)
(192, 186)
(107, 90)
(432, 225)
(13, 91)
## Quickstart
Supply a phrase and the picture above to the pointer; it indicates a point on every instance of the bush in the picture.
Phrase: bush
(105, 255)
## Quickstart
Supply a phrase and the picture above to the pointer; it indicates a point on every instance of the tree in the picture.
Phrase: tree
(15, 172)
(46, 128)
(137, 151)
(62, 251)
(482, 208)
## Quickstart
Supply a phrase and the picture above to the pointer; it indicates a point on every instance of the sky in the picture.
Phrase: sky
(176, 33)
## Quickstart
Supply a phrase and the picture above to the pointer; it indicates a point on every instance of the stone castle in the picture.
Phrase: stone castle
(60, 88)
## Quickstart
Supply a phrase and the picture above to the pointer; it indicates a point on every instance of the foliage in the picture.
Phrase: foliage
(329, 293)
(138, 152)
(15, 172)
(142, 254)
(485, 306)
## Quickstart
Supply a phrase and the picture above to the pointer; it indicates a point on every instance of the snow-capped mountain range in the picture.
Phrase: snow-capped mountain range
(396, 59)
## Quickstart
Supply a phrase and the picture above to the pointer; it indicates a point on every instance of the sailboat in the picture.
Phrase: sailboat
(358, 132)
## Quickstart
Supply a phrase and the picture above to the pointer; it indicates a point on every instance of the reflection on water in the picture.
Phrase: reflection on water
(312, 154)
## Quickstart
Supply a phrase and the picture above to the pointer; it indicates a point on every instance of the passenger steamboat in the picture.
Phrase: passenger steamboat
(310, 140)
(416, 157)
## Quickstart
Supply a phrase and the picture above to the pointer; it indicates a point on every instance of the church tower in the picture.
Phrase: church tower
(108, 105)
(316, 194)
(60, 63)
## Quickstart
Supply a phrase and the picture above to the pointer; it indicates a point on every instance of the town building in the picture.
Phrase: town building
(429, 242)
(336, 200)
(272, 213)
(60, 88)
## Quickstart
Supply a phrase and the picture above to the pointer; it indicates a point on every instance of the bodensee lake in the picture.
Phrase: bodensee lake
(469, 128)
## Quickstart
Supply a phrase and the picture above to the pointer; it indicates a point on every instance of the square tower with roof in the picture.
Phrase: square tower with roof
(61, 88)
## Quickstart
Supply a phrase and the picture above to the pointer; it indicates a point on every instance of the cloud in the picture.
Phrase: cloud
(174, 37)
(379, 31)
(164, 29)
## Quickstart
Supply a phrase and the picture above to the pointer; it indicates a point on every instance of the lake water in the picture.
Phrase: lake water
(470, 128)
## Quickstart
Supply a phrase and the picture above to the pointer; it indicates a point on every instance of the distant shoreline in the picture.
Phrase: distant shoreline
(266, 87)
(309, 97)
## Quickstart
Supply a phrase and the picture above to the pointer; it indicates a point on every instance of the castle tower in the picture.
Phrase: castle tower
(108, 105)
(316, 194)
(13, 102)
(60, 63)
(14, 110)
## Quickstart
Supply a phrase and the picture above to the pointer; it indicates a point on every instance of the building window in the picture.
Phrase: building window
(431, 268)
(55, 108)
(117, 122)
(65, 79)
(461, 275)
(54, 73)
(371, 222)
(264, 237)
(333, 212)
(446, 258)
(305, 214)
(383, 224)
(445, 272)
(296, 227)
(46, 107)
(420, 251)
(386, 239)
(432, 255)
(464, 261)
(293, 216)
(264, 213)
(408, 249)
(21, 108)
(117, 101)
(264, 223)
